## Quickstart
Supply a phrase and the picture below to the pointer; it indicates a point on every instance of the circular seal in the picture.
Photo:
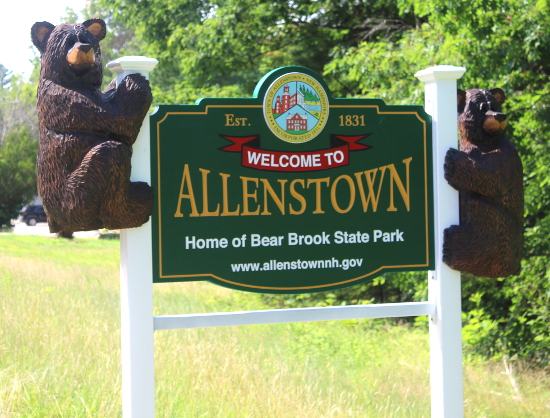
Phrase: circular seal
(296, 107)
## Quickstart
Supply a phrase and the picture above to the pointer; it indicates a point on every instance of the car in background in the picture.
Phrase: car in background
(33, 214)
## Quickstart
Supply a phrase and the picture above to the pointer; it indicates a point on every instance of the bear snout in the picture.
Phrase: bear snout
(83, 47)
(494, 122)
(81, 55)
(501, 117)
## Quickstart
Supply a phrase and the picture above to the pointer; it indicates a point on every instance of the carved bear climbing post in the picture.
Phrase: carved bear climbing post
(89, 141)
(488, 173)
(86, 136)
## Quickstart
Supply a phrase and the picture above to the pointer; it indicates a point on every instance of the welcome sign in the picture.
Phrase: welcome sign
(291, 190)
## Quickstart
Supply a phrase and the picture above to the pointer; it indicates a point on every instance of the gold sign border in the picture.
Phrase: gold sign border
(205, 112)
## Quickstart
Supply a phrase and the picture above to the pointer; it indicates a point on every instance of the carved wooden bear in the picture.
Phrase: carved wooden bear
(489, 176)
(86, 136)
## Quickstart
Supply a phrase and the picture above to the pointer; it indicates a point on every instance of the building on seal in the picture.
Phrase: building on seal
(288, 101)
(296, 122)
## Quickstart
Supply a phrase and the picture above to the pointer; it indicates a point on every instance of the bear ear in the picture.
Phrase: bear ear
(460, 100)
(499, 95)
(96, 27)
(40, 32)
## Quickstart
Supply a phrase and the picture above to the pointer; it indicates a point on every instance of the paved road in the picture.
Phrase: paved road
(22, 228)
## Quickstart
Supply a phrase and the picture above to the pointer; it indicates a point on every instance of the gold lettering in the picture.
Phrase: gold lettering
(351, 194)
(186, 178)
(247, 195)
(370, 175)
(317, 183)
(225, 199)
(394, 177)
(269, 190)
(369, 196)
(229, 119)
(205, 211)
(361, 190)
(298, 197)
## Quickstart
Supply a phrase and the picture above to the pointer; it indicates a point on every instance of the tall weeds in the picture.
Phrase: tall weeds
(60, 352)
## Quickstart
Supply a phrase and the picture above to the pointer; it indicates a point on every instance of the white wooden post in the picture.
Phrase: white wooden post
(136, 287)
(444, 283)
(136, 277)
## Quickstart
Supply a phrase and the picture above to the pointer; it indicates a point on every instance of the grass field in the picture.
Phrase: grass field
(60, 352)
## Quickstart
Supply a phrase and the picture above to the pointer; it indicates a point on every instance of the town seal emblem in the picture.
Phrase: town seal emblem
(296, 108)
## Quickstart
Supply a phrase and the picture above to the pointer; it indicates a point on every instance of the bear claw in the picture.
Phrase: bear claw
(448, 234)
(451, 158)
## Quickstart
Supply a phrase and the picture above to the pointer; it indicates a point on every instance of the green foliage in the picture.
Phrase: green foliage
(17, 173)
(17, 104)
(228, 45)
(4, 77)
(309, 95)
(502, 43)
(372, 48)
(510, 316)
(65, 360)
(389, 288)
(18, 145)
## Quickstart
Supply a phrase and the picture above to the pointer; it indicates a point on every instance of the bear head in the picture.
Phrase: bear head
(480, 119)
(70, 53)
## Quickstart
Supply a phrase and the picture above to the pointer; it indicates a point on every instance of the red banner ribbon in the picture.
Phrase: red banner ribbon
(351, 140)
(238, 142)
(268, 160)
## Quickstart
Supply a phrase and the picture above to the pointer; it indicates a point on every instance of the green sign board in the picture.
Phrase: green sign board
(291, 190)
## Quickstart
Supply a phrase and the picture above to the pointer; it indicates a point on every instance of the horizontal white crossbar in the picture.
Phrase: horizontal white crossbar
(279, 316)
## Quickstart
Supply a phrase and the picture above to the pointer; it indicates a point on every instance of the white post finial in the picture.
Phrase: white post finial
(440, 72)
(444, 283)
(136, 276)
(131, 65)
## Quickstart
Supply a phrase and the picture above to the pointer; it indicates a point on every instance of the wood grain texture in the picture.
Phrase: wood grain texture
(488, 173)
(86, 136)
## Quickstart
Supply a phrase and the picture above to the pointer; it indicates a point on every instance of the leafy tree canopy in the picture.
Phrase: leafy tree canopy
(372, 48)
(309, 95)
(17, 172)
(225, 47)
(18, 144)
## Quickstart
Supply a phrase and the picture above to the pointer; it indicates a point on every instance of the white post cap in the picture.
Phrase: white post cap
(440, 72)
(132, 64)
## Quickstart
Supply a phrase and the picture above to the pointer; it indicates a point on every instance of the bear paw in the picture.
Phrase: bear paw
(130, 209)
(454, 166)
(141, 201)
(137, 86)
(141, 192)
(131, 102)
(448, 244)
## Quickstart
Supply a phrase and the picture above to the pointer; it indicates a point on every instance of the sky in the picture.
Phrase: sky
(17, 20)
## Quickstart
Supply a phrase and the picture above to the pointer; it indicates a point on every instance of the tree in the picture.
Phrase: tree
(502, 43)
(372, 49)
(18, 146)
(17, 172)
(223, 48)
(4, 77)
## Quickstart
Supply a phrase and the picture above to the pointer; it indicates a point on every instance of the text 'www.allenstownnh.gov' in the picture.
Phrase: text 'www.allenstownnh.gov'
(297, 265)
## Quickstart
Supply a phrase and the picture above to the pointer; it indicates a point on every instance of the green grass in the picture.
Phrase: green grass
(293, 132)
(60, 352)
